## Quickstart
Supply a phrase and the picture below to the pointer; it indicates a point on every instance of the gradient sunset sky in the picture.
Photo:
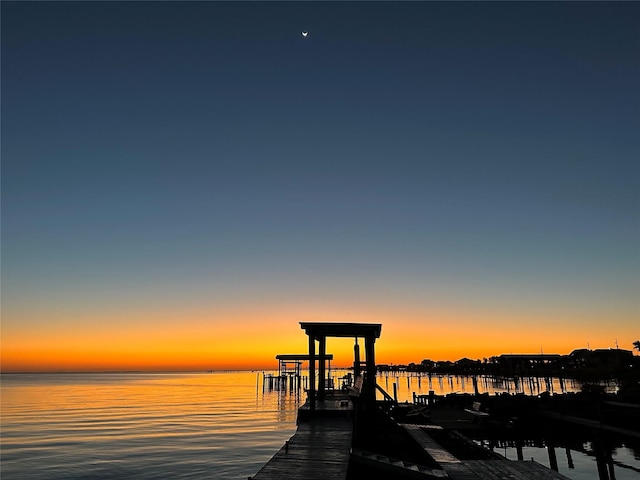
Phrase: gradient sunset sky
(184, 182)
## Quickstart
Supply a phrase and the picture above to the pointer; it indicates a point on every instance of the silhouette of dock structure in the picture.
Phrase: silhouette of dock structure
(320, 448)
(342, 433)
(290, 372)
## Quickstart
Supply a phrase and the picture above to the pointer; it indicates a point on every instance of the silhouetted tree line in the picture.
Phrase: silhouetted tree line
(581, 363)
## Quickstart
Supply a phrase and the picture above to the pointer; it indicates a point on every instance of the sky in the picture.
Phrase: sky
(184, 182)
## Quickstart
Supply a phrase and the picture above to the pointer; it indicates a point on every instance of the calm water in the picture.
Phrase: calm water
(142, 426)
(190, 425)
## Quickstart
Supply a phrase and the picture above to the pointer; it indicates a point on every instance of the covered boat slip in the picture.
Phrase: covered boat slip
(291, 363)
(290, 371)
(319, 331)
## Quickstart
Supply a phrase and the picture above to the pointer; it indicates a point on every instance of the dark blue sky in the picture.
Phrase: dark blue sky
(454, 156)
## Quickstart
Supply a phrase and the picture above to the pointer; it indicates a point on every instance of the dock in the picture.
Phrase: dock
(335, 403)
(480, 469)
(318, 450)
(347, 434)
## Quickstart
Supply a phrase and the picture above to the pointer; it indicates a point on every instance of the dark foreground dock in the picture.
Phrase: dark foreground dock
(319, 450)
(476, 469)
(347, 434)
(322, 449)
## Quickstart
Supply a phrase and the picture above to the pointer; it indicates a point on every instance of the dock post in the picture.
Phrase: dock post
(567, 450)
(602, 463)
(370, 384)
(519, 452)
(322, 347)
(312, 373)
(553, 460)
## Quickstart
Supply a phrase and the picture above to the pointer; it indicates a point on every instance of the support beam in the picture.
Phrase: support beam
(312, 373)
(322, 348)
(369, 346)
(356, 359)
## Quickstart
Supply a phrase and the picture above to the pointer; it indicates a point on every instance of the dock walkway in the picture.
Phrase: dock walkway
(319, 450)
(497, 469)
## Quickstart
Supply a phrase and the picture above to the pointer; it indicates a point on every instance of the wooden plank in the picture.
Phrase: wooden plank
(319, 450)
(394, 466)
(455, 468)
(496, 469)
(509, 470)
(436, 452)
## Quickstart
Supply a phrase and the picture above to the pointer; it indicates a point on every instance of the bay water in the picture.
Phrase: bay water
(140, 425)
(202, 425)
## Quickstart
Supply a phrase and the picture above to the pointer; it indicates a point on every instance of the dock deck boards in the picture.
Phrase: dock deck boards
(496, 469)
(319, 450)
(334, 404)
(509, 469)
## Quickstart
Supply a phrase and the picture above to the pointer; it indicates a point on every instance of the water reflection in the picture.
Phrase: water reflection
(579, 461)
(477, 384)
(408, 383)
(144, 426)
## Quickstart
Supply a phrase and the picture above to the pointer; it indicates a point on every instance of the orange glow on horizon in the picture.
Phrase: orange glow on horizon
(247, 340)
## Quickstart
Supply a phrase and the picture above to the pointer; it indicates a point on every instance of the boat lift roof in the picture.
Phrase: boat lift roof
(302, 357)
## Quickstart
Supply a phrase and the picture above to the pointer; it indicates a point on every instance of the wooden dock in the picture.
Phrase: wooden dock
(332, 420)
(496, 468)
(319, 450)
(321, 447)
(335, 404)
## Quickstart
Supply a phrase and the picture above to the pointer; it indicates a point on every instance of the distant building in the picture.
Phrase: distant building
(579, 357)
(520, 364)
(604, 360)
(611, 359)
(466, 365)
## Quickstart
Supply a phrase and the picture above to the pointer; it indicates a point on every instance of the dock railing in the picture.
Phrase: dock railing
(388, 400)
